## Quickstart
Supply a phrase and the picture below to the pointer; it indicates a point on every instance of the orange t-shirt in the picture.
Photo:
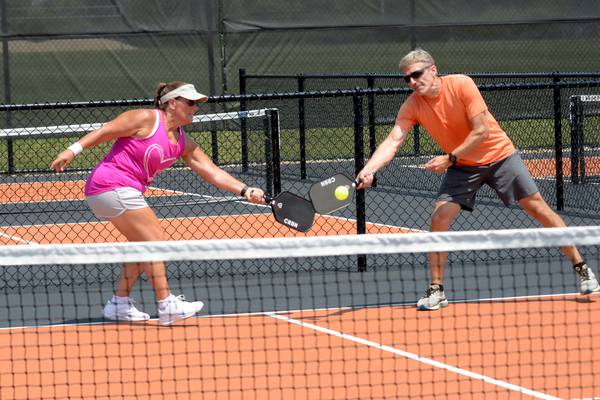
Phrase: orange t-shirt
(446, 118)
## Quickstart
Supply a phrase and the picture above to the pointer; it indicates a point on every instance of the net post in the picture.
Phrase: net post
(275, 152)
(302, 127)
(359, 162)
(575, 114)
(243, 125)
(558, 154)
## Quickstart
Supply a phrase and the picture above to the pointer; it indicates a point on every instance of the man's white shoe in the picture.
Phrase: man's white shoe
(434, 299)
(587, 280)
(175, 308)
(123, 310)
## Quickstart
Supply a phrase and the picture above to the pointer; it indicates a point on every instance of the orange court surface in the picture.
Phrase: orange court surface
(494, 350)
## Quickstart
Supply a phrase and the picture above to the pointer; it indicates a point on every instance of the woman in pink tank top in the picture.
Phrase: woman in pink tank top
(147, 141)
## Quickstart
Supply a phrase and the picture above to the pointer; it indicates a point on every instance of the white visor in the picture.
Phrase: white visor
(186, 91)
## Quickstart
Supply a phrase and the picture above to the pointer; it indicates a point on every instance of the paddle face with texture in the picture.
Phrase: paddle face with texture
(323, 194)
(292, 211)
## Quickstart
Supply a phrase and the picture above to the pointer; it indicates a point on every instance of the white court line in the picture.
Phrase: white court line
(167, 191)
(375, 224)
(16, 238)
(17, 203)
(203, 196)
(424, 360)
(214, 216)
(106, 222)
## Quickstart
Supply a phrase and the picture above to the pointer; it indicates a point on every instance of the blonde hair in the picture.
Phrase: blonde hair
(415, 56)
(164, 88)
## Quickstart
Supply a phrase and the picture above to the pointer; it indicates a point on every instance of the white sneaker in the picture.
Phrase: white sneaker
(175, 308)
(123, 311)
(587, 280)
(434, 299)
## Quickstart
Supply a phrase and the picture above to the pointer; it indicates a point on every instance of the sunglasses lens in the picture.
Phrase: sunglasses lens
(186, 101)
(414, 75)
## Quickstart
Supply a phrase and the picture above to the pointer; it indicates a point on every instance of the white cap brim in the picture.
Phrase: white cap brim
(187, 92)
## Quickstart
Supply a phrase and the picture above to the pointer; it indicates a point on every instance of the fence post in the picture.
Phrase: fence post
(576, 115)
(214, 140)
(417, 139)
(275, 151)
(243, 124)
(7, 94)
(222, 47)
(359, 163)
(212, 43)
(371, 120)
(558, 154)
(412, 10)
(302, 127)
(268, 149)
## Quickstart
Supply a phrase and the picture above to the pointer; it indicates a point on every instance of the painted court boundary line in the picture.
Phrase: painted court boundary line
(16, 238)
(415, 357)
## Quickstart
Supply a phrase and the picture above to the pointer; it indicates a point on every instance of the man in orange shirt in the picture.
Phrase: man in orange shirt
(478, 152)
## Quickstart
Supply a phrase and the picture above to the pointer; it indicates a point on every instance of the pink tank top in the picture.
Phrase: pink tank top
(133, 162)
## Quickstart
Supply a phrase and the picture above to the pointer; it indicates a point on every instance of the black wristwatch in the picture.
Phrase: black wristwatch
(244, 190)
(452, 158)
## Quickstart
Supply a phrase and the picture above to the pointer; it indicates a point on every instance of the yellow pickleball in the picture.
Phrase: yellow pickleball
(341, 193)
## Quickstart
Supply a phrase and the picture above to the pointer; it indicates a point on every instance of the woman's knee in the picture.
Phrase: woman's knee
(139, 225)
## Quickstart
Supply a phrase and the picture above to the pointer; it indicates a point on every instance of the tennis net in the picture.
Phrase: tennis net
(294, 318)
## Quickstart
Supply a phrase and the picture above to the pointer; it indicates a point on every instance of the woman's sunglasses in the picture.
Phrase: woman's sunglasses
(186, 101)
(415, 74)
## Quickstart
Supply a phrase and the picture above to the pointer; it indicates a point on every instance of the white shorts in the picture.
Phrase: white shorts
(115, 202)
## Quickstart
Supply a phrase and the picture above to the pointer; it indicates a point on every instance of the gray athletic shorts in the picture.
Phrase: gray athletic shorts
(510, 178)
(115, 202)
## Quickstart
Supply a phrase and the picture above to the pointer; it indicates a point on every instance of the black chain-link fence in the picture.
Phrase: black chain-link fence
(337, 133)
(318, 137)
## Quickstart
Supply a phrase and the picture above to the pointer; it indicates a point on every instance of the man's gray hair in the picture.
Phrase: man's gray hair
(416, 56)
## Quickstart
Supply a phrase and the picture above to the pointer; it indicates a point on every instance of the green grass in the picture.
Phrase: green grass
(64, 73)
(90, 68)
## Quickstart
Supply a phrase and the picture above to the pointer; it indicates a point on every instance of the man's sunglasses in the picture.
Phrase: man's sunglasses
(186, 101)
(415, 74)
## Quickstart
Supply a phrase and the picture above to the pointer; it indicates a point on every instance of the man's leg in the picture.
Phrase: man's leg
(442, 217)
(537, 208)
